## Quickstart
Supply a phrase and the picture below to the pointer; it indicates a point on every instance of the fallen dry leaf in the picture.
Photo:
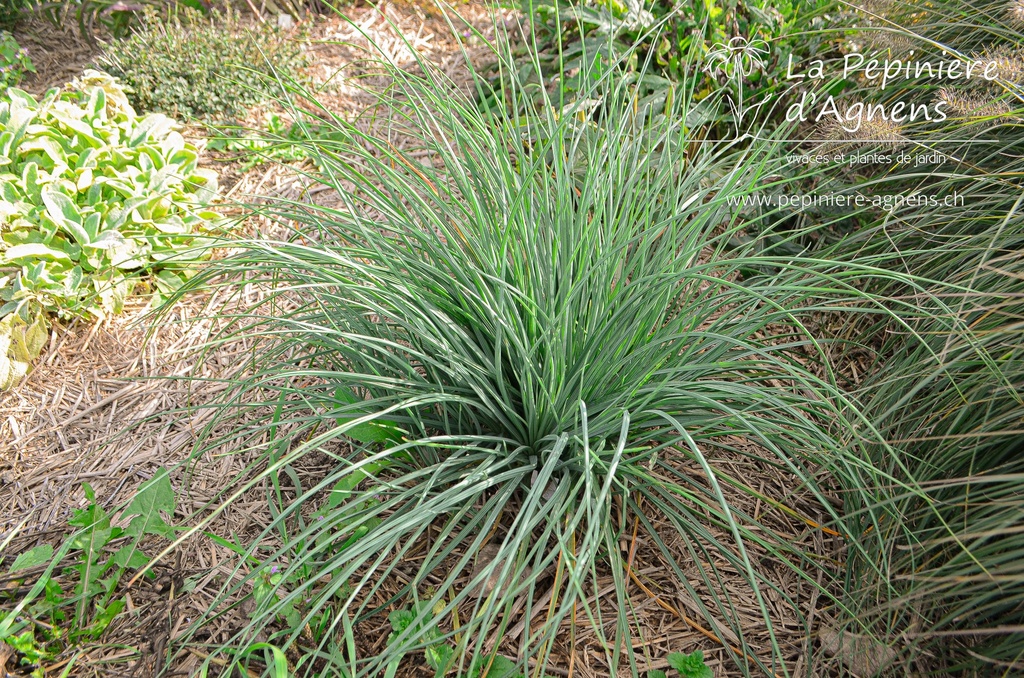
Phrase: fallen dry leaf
(862, 655)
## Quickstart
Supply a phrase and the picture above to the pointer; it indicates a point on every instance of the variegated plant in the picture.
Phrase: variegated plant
(93, 199)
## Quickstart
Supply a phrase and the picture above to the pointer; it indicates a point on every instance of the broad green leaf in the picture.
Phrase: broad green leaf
(11, 371)
(168, 282)
(63, 212)
(204, 182)
(107, 240)
(21, 100)
(342, 490)
(49, 146)
(400, 620)
(112, 292)
(129, 557)
(439, 658)
(500, 667)
(690, 665)
(21, 254)
(30, 178)
(91, 225)
(6, 141)
(153, 126)
(378, 431)
(28, 339)
(83, 133)
(95, 533)
(154, 497)
(172, 225)
(17, 127)
(37, 556)
(97, 106)
(85, 179)
(105, 615)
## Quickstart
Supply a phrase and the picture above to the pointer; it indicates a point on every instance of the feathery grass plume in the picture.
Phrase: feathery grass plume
(525, 332)
(953, 403)
(875, 132)
(878, 8)
(972, 105)
(876, 18)
(1015, 13)
(1009, 62)
(881, 43)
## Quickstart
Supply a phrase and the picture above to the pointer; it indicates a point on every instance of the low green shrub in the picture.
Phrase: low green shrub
(92, 197)
(194, 66)
(14, 61)
(11, 11)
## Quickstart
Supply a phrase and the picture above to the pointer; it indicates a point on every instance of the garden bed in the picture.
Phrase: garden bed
(111, 404)
(108, 405)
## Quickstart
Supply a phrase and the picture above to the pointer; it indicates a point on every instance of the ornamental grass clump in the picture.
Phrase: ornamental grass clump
(947, 582)
(524, 332)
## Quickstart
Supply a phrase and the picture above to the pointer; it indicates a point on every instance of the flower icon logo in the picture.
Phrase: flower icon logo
(739, 56)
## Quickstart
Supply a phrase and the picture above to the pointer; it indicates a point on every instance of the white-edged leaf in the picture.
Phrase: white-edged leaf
(30, 252)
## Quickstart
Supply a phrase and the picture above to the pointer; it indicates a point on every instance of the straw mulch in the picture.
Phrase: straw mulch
(108, 405)
(59, 52)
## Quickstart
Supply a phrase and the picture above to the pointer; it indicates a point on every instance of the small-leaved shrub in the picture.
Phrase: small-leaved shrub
(198, 67)
(14, 61)
(11, 11)
(92, 197)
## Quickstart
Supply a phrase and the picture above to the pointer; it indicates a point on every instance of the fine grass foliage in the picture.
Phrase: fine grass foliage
(946, 581)
(945, 584)
(529, 332)
(949, 396)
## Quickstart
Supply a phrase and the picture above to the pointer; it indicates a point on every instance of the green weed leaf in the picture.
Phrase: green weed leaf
(439, 657)
(500, 667)
(690, 665)
(104, 616)
(37, 556)
(377, 431)
(154, 497)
